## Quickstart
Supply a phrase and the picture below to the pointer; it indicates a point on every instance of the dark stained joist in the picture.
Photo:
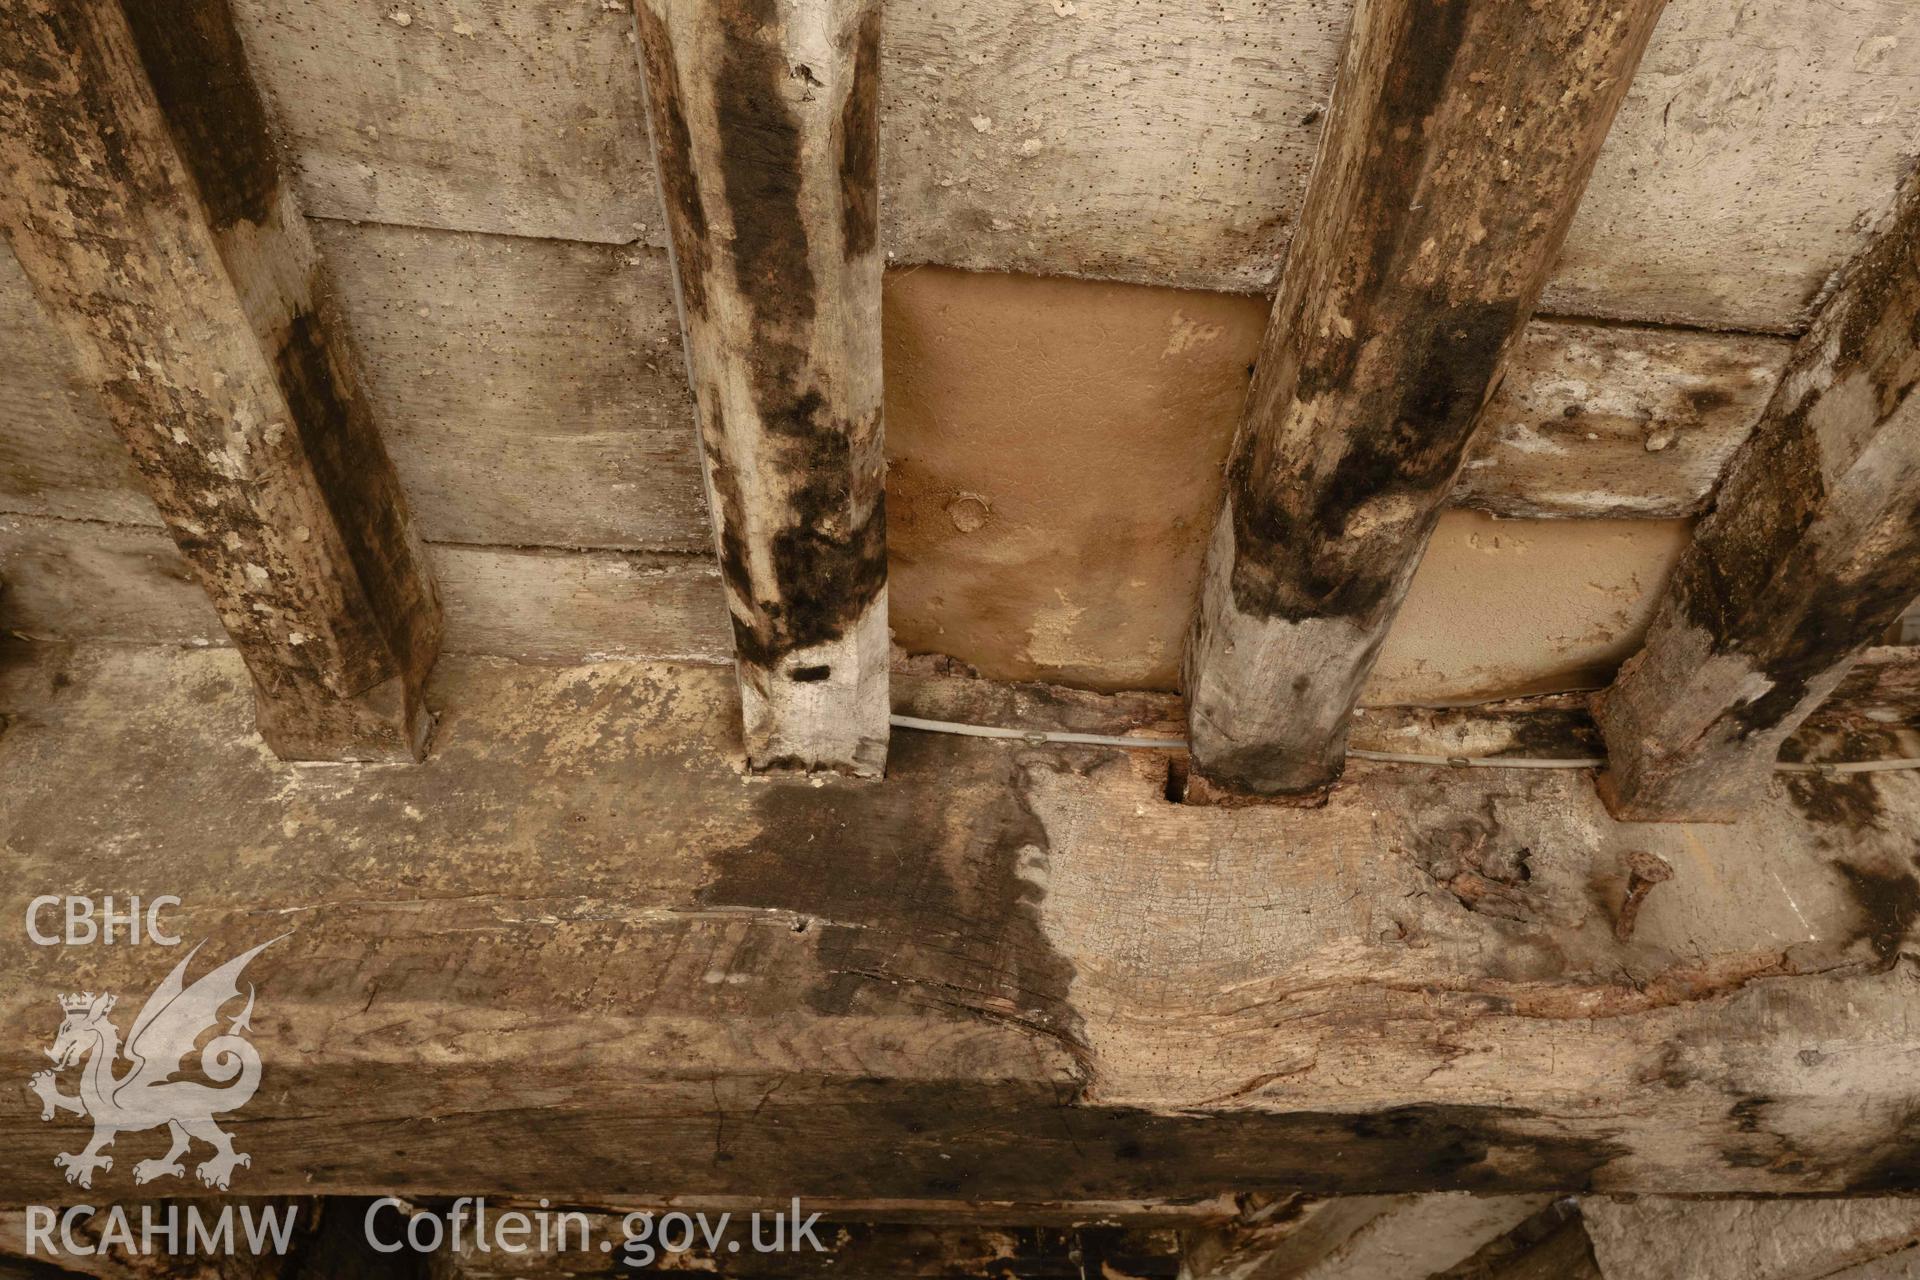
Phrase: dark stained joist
(144, 201)
(1810, 555)
(763, 117)
(1461, 138)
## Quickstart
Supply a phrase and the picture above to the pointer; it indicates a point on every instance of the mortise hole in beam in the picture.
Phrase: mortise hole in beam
(1177, 780)
(807, 675)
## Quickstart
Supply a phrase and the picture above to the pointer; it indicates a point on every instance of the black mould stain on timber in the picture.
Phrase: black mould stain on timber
(1755, 581)
(829, 558)
(1756, 1146)
(1004, 1141)
(859, 143)
(1851, 802)
(1889, 905)
(397, 632)
(1895, 1163)
(760, 166)
(1304, 545)
(1296, 555)
(198, 69)
(673, 148)
(916, 904)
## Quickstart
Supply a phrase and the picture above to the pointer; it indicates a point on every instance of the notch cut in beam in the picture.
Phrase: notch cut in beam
(766, 137)
(146, 205)
(1810, 554)
(1461, 138)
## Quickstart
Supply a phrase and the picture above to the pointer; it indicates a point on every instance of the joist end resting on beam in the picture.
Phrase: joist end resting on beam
(147, 207)
(765, 130)
(1810, 555)
(1460, 140)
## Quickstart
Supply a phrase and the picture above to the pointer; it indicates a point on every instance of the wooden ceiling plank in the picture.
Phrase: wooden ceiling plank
(763, 115)
(1462, 135)
(1810, 555)
(147, 207)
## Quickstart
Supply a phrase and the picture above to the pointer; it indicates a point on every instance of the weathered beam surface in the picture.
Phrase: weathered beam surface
(1811, 554)
(763, 115)
(578, 953)
(1408, 1237)
(1460, 140)
(145, 204)
(1654, 1238)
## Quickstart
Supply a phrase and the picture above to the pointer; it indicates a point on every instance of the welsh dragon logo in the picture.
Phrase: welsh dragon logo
(145, 1096)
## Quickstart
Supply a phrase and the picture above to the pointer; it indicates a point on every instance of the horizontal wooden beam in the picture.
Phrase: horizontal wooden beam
(1459, 142)
(577, 953)
(1810, 556)
(146, 205)
(763, 115)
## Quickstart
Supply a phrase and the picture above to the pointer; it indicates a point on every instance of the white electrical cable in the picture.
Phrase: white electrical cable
(1036, 737)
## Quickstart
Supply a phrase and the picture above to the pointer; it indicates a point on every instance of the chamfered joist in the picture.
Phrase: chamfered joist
(145, 204)
(1461, 137)
(763, 117)
(1811, 553)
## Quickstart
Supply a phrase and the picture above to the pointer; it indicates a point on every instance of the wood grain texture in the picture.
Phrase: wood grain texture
(145, 206)
(58, 454)
(1358, 1238)
(852, 1250)
(1458, 145)
(996, 978)
(764, 120)
(1153, 142)
(1655, 1237)
(1596, 421)
(1760, 146)
(128, 584)
(1811, 554)
(477, 115)
(533, 393)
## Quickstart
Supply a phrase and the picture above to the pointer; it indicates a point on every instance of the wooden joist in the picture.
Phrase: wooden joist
(145, 204)
(763, 115)
(577, 953)
(1461, 138)
(1810, 555)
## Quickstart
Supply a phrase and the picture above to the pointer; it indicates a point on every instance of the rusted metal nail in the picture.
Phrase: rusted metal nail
(1644, 871)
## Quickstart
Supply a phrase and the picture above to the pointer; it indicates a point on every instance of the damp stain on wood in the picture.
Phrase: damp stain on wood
(826, 551)
(194, 60)
(858, 143)
(673, 158)
(955, 923)
(1888, 901)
